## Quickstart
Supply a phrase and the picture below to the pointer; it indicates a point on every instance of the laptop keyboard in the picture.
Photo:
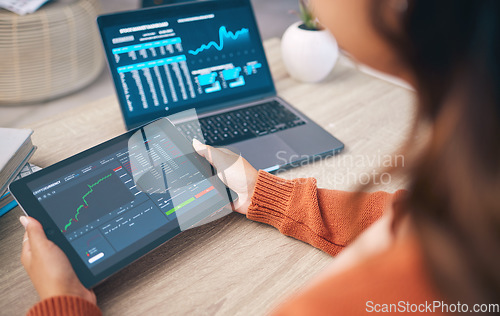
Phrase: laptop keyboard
(242, 124)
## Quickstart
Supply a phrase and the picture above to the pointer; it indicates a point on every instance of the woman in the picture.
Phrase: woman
(445, 244)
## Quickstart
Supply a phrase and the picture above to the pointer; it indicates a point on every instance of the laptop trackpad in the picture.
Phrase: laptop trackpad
(264, 152)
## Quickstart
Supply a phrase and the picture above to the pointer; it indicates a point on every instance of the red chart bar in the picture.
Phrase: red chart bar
(204, 192)
(116, 169)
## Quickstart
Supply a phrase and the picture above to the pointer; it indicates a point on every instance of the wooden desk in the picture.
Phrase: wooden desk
(232, 266)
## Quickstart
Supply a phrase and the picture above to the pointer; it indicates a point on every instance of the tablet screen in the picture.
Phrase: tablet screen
(111, 201)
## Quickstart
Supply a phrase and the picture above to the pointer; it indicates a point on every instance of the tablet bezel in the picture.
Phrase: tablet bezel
(32, 207)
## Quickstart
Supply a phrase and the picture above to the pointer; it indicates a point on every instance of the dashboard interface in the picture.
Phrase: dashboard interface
(111, 203)
(171, 61)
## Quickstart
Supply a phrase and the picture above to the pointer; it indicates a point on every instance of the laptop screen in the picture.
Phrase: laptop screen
(172, 58)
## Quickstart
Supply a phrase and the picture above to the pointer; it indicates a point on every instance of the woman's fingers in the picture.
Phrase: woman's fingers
(217, 157)
(47, 266)
(35, 239)
(26, 251)
(36, 235)
(233, 170)
(221, 158)
(200, 148)
(30, 239)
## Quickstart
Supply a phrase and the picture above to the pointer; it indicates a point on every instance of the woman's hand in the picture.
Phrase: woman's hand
(47, 266)
(233, 170)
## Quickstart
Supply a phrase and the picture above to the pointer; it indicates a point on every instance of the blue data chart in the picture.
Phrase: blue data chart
(251, 68)
(151, 64)
(214, 88)
(137, 47)
(230, 74)
(174, 63)
(225, 76)
(238, 83)
(207, 79)
(224, 36)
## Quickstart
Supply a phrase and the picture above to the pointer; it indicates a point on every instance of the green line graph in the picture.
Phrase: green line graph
(85, 204)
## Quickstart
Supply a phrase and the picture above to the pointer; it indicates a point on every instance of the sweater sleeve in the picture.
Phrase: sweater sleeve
(373, 286)
(64, 305)
(326, 219)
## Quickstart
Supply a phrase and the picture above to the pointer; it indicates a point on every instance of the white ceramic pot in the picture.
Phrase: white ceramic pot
(309, 56)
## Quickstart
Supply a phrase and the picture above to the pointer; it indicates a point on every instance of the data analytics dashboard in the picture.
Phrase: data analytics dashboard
(165, 61)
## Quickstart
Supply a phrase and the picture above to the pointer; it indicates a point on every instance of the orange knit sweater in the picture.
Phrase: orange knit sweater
(328, 220)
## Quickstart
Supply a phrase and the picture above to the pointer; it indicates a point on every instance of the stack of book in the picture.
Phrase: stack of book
(16, 149)
(7, 201)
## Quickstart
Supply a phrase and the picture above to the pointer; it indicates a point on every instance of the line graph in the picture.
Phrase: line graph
(224, 35)
(90, 199)
(85, 203)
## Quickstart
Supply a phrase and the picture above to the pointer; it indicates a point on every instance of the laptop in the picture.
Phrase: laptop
(208, 56)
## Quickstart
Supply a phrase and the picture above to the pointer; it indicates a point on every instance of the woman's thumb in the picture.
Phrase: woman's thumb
(34, 229)
(204, 151)
(200, 148)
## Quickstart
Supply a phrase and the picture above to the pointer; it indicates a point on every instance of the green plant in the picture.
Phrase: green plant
(306, 15)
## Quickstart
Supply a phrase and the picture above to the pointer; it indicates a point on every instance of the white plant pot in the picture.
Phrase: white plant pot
(309, 56)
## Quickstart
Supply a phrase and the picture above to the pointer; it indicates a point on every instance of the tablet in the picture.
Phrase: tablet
(113, 203)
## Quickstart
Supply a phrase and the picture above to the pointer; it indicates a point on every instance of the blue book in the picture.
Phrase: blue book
(7, 203)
